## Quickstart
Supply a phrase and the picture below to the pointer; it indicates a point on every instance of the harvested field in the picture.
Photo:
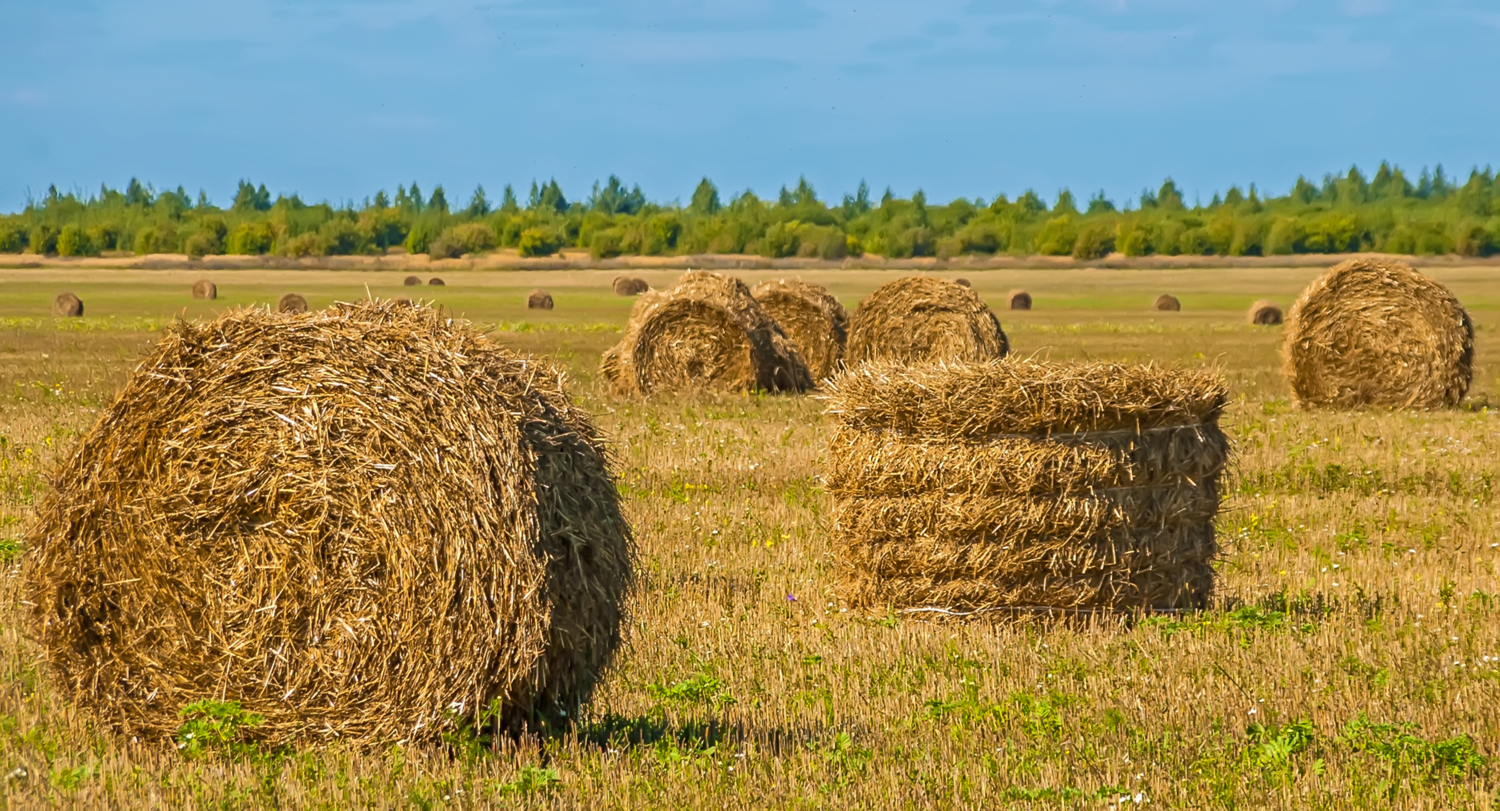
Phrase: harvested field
(1355, 569)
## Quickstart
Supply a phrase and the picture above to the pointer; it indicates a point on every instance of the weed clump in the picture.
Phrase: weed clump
(365, 523)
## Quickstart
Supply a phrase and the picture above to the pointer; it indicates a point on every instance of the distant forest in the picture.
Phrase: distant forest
(1344, 213)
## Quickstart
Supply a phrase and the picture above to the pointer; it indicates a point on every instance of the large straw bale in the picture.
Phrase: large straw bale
(205, 289)
(292, 303)
(1018, 484)
(1018, 300)
(539, 300)
(1167, 303)
(1264, 314)
(436, 282)
(365, 523)
(629, 286)
(67, 305)
(811, 317)
(924, 318)
(1375, 332)
(411, 281)
(704, 333)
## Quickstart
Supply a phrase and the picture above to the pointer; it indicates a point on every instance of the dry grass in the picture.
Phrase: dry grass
(1356, 592)
(1374, 332)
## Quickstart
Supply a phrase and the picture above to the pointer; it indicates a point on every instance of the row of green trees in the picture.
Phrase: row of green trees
(1349, 212)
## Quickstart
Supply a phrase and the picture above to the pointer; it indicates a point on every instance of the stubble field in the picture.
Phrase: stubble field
(1350, 659)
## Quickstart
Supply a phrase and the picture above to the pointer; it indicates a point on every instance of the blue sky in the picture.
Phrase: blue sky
(335, 99)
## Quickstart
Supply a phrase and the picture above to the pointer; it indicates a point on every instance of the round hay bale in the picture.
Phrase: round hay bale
(291, 303)
(539, 300)
(1167, 303)
(963, 282)
(436, 282)
(367, 523)
(205, 289)
(67, 305)
(630, 286)
(921, 317)
(1375, 332)
(411, 281)
(704, 333)
(1264, 314)
(811, 317)
(1018, 300)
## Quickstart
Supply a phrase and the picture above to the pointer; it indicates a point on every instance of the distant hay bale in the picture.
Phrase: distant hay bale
(411, 281)
(811, 317)
(1375, 332)
(67, 305)
(630, 286)
(205, 289)
(436, 282)
(1018, 300)
(365, 523)
(1264, 314)
(922, 318)
(1022, 485)
(539, 300)
(706, 332)
(291, 303)
(962, 282)
(1167, 303)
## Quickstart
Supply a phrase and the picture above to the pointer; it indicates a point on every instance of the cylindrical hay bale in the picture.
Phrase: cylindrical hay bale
(1018, 300)
(1167, 303)
(630, 286)
(704, 333)
(965, 487)
(67, 305)
(1374, 332)
(205, 289)
(811, 317)
(411, 281)
(920, 318)
(369, 524)
(961, 282)
(436, 282)
(1264, 314)
(291, 303)
(539, 300)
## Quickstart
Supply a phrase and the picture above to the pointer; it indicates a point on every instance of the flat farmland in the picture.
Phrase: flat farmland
(1350, 657)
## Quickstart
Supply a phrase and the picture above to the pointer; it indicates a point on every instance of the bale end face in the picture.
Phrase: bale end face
(1167, 303)
(205, 289)
(1018, 300)
(539, 300)
(67, 305)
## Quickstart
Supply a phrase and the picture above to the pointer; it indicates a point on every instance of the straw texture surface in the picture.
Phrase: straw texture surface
(811, 317)
(704, 333)
(362, 523)
(1022, 485)
(924, 318)
(1375, 332)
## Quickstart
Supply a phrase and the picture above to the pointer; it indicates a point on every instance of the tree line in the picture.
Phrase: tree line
(1389, 213)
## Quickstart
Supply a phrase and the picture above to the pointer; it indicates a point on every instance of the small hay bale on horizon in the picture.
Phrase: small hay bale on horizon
(811, 317)
(368, 524)
(411, 281)
(1017, 485)
(1166, 303)
(1018, 300)
(539, 300)
(205, 289)
(67, 305)
(962, 282)
(924, 317)
(1375, 332)
(1264, 314)
(705, 333)
(629, 286)
(291, 303)
(436, 282)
